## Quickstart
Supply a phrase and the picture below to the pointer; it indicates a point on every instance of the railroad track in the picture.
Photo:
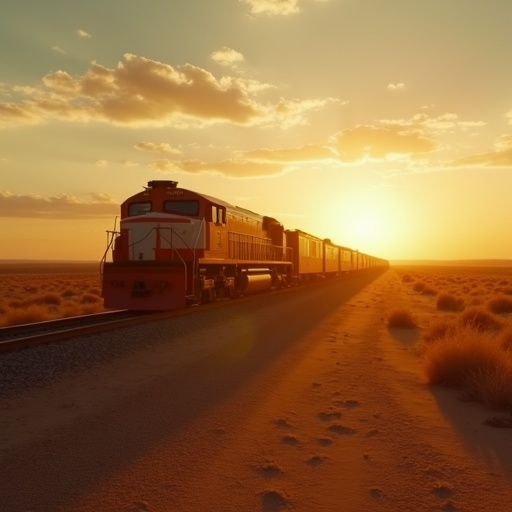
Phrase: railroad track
(22, 336)
(28, 335)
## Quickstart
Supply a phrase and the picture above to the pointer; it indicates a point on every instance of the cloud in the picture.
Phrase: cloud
(381, 142)
(394, 87)
(229, 167)
(157, 148)
(501, 156)
(272, 7)
(311, 152)
(82, 33)
(227, 57)
(141, 91)
(62, 207)
(58, 49)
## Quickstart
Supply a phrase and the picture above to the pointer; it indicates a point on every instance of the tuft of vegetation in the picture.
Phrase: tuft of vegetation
(505, 338)
(428, 290)
(30, 314)
(30, 296)
(472, 361)
(480, 320)
(419, 286)
(448, 302)
(401, 319)
(500, 305)
(440, 330)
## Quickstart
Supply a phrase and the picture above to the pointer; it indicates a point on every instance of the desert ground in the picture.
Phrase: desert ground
(345, 396)
(35, 291)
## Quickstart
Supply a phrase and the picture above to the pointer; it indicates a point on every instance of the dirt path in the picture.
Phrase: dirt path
(307, 405)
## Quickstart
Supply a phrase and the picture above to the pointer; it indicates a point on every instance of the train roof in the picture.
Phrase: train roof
(174, 185)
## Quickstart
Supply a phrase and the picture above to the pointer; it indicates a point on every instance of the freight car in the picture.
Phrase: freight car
(176, 247)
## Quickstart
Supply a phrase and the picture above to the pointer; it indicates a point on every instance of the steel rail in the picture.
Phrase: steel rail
(17, 337)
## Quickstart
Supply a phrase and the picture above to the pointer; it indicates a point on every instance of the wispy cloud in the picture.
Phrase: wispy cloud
(141, 91)
(161, 147)
(272, 7)
(227, 57)
(500, 156)
(395, 87)
(82, 33)
(229, 167)
(62, 207)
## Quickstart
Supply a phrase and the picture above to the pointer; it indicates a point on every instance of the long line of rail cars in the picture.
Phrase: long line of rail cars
(176, 247)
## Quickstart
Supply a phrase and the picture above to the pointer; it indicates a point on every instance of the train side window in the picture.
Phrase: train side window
(218, 215)
(138, 208)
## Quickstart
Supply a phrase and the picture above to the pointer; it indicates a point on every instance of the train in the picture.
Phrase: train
(176, 247)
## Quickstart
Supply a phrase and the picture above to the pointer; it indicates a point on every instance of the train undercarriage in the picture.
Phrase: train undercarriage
(154, 285)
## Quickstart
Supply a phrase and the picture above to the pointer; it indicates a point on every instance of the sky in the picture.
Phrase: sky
(384, 125)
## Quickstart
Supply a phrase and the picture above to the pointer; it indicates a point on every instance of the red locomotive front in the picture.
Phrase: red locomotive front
(175, 246)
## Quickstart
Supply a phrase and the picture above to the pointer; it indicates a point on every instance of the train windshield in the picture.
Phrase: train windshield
(190, 208)
(139, 208)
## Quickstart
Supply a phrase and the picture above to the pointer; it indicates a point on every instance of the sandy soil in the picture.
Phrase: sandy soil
(309, 404)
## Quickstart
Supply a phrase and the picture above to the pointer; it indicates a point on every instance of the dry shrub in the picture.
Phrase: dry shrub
(500, 305)
(480, 320)
(428, 290)
(401, 319)
(50, 299)
(440, 330)
(89, 298)
(505, 338)
(507, 291)
(90, 309)
(493, 387)
(462, 355)
(406, 278)
(419, 286)
(27, 315)
(447, 302)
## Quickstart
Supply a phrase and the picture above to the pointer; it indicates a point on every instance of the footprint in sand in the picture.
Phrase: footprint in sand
(274, 501)
(341, 430)
(268, 470)
(290, 440)
(324, 441)
(376, 493)
(329, 415)
(442, 491)
(282, 423)
(316, 460)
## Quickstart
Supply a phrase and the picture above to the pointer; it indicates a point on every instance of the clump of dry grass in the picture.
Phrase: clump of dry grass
(500, 305)
(30, 314)
(474, 362)
(505, 338)
(30, 296)
(428, 290)
(480, 320)
(419, 286)
(439, 330)
(448, 302)
(401, 319)
(407, 278)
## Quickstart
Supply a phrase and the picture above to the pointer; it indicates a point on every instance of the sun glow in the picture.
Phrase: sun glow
(368, 220)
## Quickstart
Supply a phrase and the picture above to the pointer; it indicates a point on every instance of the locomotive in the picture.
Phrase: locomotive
(175, 247)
